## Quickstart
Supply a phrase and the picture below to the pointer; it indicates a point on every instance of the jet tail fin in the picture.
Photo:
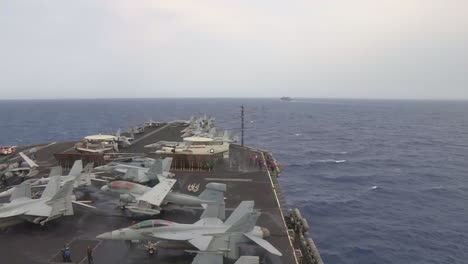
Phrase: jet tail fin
(214, 210)
(226, 135)
(85, 176)
(61, 202)
(131, 174)
(243, 208)
(77, 168)
(55, 171)
(245, 223)
(166, 164)
(156, 168)
(88, 168)
(214, 193)
(52, 187)
(21, 191)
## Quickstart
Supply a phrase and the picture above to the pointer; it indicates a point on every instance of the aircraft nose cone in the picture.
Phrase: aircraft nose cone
(266, 232)
(107, 235)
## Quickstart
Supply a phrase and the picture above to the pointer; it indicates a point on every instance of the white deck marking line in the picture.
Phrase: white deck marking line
(149, 134)
(279, 207)
(46, 146)
(94, 249)
(228, 179)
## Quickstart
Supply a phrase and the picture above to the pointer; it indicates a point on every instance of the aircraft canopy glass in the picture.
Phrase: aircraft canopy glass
(151, 223)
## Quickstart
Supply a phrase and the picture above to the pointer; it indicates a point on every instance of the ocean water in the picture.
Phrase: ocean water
(379, 181)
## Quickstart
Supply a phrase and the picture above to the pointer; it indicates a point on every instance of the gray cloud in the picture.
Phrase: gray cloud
(334, 48)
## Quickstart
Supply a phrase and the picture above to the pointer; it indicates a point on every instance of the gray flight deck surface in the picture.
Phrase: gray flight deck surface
(29, 243)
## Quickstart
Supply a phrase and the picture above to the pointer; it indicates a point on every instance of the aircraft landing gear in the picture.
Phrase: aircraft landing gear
(123, 205)
(151, 248)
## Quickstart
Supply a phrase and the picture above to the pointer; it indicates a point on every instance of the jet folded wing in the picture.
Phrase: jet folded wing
(32, 210)
(13, 212)
(156, 195)
(30, 162)
(208, 257)
(264, 244)
(39, 210)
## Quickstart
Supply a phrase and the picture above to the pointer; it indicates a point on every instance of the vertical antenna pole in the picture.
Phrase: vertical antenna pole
(242, 125)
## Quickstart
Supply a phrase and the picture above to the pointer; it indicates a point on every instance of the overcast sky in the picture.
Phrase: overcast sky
(203, 48)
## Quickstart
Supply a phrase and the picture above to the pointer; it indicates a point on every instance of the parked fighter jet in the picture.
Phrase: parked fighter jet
(208, 233)
(183, 122)
(137, 173)
(18, 169)
(152, 123)
(163, 143)
(54, 203)
(199, 127)
(124, 141)
(143, 200)
(214, 143)
(137, 130)
(77, 170)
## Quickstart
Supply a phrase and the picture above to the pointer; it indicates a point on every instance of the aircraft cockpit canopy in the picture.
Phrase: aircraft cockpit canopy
(151, 223)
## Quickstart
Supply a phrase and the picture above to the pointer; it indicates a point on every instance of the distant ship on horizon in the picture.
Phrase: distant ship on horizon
(286, 99)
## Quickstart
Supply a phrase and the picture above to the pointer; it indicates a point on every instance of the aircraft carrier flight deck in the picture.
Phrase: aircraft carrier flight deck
(30, 243)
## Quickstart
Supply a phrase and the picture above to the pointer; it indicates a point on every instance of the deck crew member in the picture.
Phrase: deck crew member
(89, 253)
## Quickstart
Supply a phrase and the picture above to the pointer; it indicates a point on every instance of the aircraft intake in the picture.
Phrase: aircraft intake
(265, 232)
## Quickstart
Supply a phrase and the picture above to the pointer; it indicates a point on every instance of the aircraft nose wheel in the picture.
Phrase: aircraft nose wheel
(129, 244)
(123, 205)
(151, 248)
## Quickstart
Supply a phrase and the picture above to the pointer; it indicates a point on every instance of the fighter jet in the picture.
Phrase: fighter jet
(137, 130)
(152, 123)
(18, 169)
(54, 203)
(208, 233)
(199, 127)
(77, 170)
(124, 141)
(143, 200)
(163, 143)
(183, 122)
(137, 173)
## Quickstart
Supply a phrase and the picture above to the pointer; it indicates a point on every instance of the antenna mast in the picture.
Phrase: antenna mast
(242, 125)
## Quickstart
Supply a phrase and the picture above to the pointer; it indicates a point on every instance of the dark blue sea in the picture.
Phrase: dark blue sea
(379, 181)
